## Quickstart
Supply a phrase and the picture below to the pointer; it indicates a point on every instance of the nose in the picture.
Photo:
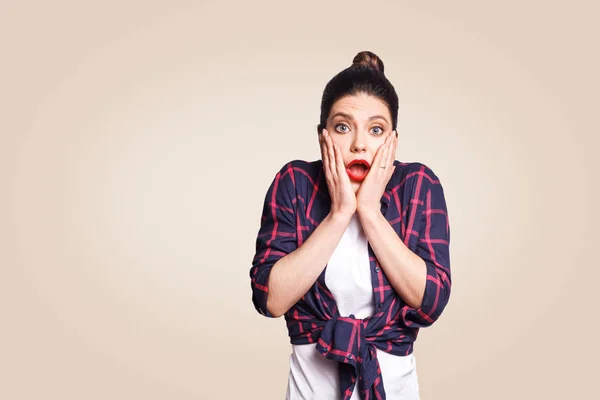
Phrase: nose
(358, 144)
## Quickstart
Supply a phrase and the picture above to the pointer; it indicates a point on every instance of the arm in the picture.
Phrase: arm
(405, 270)
(282, 272)
(421, 278)
(293, 275)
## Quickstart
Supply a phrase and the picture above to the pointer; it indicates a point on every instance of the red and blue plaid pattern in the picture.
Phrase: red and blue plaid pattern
(414, 204)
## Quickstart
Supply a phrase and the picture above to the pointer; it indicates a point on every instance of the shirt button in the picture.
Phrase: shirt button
(350, 357)
(377, 269)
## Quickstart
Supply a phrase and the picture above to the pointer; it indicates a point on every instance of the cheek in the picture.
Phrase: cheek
(374, 146)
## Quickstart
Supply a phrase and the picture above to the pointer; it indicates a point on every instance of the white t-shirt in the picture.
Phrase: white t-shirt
(348, 277)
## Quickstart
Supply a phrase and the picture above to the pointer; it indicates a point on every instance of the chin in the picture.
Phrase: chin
(355, 186)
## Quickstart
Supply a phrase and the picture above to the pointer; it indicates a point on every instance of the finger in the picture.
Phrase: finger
(331, 156)
(379, 159)
(323, 150)
(325, 156)
(387, 153)
(341, 168)
(383, 161)
(392, 154)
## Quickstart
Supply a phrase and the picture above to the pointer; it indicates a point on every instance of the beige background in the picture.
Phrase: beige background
(138, 140)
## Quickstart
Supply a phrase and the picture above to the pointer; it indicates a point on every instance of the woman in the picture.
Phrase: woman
(353, 249)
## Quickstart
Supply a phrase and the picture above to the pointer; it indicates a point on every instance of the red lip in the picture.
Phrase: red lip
(356, 177)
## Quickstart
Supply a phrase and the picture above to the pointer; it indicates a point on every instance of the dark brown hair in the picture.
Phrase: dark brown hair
(365, 75)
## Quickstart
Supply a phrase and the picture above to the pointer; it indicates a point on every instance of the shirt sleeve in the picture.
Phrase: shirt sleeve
(433, 247)
(276, 236)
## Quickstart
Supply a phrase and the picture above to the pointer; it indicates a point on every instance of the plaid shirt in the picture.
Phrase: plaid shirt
(414, 204)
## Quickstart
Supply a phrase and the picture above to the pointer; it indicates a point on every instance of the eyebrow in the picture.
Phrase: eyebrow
(341, 114)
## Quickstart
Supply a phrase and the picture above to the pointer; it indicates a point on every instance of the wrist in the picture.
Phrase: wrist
(340, 217)
(368, 213)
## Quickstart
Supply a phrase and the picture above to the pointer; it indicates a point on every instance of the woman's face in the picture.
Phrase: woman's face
(359, 124)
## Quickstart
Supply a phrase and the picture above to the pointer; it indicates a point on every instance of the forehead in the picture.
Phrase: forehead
(360, 107)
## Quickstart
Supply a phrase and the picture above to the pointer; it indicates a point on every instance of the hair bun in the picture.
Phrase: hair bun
(368, 59)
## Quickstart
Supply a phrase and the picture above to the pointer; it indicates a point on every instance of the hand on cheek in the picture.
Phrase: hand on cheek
(343, 198)
(372, 188)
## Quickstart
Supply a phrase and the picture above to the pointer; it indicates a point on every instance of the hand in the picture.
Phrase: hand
(372, 188)
(343, 199)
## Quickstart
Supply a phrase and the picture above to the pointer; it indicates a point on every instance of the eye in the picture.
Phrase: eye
(338, 128)
(377, 130)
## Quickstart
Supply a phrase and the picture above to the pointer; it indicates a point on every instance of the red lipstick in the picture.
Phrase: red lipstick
(357, 169)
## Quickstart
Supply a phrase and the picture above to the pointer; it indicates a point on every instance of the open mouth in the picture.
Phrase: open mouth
(358, 169)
